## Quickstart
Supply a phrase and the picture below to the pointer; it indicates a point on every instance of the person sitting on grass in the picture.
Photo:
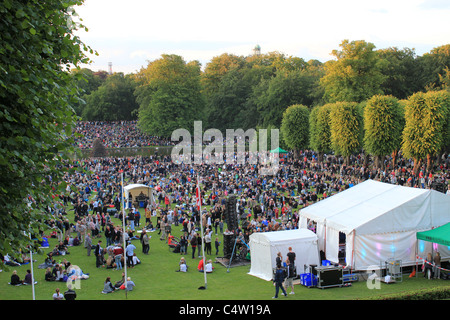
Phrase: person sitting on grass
(49, 275)
(130, 284)
(209, 267)
(182, 265)
(200, 265)
(108, 287)
(15, 279)
(28, 278)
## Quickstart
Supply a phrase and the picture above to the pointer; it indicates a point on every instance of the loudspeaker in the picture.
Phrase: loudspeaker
(228, 244)
(230, 213)
(439, 185)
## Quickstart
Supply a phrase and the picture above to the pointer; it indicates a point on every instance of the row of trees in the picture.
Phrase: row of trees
(383, 125)
(254, 91)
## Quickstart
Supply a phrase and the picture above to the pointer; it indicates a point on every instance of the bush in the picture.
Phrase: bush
(425, 294)
(98, 149)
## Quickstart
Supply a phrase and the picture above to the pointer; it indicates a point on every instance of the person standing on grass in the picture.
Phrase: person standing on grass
(208, 242)
(290, 276)
(130, 252)
(99, 254)
(193, 245)
(437, 266)
(280, 275)
(145, 242)
(291, 256)
(217, 244)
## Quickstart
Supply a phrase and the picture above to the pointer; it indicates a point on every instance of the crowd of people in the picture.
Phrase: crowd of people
(264, 203)
(115, 134)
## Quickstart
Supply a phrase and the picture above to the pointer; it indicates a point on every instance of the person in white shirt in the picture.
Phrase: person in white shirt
(209, 267)
(58, 295)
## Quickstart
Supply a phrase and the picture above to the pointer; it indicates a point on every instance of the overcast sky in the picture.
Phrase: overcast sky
(131, 33)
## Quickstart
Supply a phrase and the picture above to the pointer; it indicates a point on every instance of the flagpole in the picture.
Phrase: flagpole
(199, 199)
(123, 236)
(32, 269)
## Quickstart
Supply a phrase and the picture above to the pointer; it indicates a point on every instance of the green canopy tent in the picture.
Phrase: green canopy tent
(278, 150)
(440, 235)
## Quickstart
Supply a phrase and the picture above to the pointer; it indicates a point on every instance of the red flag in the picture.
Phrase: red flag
(199, 200)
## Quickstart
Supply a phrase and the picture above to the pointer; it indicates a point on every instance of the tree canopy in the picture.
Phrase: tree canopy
(169, 95)
(383, 124)
(37, 94)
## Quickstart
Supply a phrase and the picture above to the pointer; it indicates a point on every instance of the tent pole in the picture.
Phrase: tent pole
(415, 255)
(353, 250)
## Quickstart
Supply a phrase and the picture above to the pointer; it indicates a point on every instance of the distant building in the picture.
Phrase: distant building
(257, 50)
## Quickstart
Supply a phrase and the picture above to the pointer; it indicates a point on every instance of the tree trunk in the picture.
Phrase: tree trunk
(417, 164)
(366, 159)
(394, 158)
(320, 157)
(429, 164)
(377, 162)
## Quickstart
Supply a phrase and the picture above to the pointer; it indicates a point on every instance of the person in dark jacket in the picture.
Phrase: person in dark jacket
(280, 275)
(70, 294)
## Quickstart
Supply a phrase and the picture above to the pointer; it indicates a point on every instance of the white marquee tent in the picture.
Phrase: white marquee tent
(137, 189)
(264, 247)
(380, 222)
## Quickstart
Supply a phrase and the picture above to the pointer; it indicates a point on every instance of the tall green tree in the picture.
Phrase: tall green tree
(345, 128)
(356, 74)
(227, 101)
(87, 81)
(426, 126)
(37, 93)
(281, 91)
(433, 65)
(320, 134)
(401, 70)
(112, 101)
(383, 124)
(295, 128)
(216, 69)
(169, 95)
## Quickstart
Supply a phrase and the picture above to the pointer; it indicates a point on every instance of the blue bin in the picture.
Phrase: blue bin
(326, 263)
(308, 280)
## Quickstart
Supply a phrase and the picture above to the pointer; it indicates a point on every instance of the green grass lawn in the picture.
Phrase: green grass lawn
(156, 279)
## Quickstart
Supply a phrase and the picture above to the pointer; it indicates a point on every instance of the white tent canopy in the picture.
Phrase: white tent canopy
(135, 190)
(264, 247)
(379, 220)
